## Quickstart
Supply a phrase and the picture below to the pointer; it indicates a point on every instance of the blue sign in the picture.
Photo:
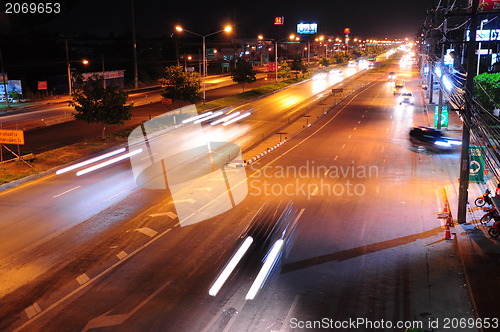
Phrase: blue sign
(307, 28)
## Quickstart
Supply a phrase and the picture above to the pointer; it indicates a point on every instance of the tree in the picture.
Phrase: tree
(177, 84)
(299, 66)
(487, 90)
(94, 103)
(243, 73)
(324, 62)
(284, 70)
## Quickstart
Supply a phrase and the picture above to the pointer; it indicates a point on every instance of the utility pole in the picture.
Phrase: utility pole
(68, 67)
(469, 87)
(4, 81)
(136, 74)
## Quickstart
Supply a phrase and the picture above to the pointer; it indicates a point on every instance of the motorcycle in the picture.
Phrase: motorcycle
(493, 231)
(485, 198)
(491, 214)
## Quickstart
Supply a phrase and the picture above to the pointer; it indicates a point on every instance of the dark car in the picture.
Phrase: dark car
(433, 139)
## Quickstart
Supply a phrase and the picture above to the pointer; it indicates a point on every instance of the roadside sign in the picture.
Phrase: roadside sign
(42, 85)
(476, 166)
(444, 116)
(11, 136)
(271, 66)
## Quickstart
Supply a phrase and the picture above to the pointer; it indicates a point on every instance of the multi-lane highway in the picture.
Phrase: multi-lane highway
(96, 253)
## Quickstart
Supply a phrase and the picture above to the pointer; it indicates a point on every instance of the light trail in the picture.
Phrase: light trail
(264, 271)
(230, 266)
(224, 119)
(90, 161)
(107, 163)
(244, 115)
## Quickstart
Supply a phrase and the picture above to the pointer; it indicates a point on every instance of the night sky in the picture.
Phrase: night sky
(365, 18)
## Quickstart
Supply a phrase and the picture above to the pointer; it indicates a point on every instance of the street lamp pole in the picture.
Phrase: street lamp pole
(227, 29)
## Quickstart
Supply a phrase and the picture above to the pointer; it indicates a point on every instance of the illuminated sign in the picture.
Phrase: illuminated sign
(485, 35)
(307, 28)
(488, 5)
(279, 20)
(347, 31)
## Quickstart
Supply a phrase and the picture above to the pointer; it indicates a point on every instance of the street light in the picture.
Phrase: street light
(226, 29)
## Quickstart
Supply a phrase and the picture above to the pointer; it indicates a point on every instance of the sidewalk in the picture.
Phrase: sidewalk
(478, 252)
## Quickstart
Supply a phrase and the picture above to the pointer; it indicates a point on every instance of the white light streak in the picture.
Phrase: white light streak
(264, 271)
(216, 114)
(194, 118)
(107, 163)
(244, 115)
(90, 161)
(230, 266)
(226, 118)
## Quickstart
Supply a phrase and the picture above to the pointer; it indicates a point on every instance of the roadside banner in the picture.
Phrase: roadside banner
(476, 166)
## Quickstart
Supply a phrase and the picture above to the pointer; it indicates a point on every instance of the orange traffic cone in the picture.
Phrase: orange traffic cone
(446, 207)
(447, 232)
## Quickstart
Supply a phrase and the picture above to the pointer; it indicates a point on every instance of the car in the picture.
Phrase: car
(406, 97)
(433, 139)
(391, 77)
(398, 86)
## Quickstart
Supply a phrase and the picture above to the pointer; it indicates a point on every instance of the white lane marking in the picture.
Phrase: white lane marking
(387, 130)
(82, 279)
(114, 196)
(147, 231)
(315, 191)
(355, 128)
(336, 157)
(169, 214)
(67, 191)
(91, 281)
(359, 121)
(121, 255)
(204, 189)
(33, 310)
(343, 146)
(290, 313)
(348, 137)
(189, 200)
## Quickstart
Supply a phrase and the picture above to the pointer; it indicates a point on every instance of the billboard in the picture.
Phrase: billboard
(488, 5)
(279, 20)
(307, 28)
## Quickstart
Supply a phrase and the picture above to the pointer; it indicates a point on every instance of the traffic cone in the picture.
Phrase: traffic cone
(446, 207)
(447, 232)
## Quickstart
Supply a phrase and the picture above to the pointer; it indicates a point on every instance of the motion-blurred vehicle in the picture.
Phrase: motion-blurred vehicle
(406, 97)
(433, 139)
(264, 244)
(391, 77)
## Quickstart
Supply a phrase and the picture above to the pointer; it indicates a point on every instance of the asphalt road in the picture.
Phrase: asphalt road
(367, 245)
